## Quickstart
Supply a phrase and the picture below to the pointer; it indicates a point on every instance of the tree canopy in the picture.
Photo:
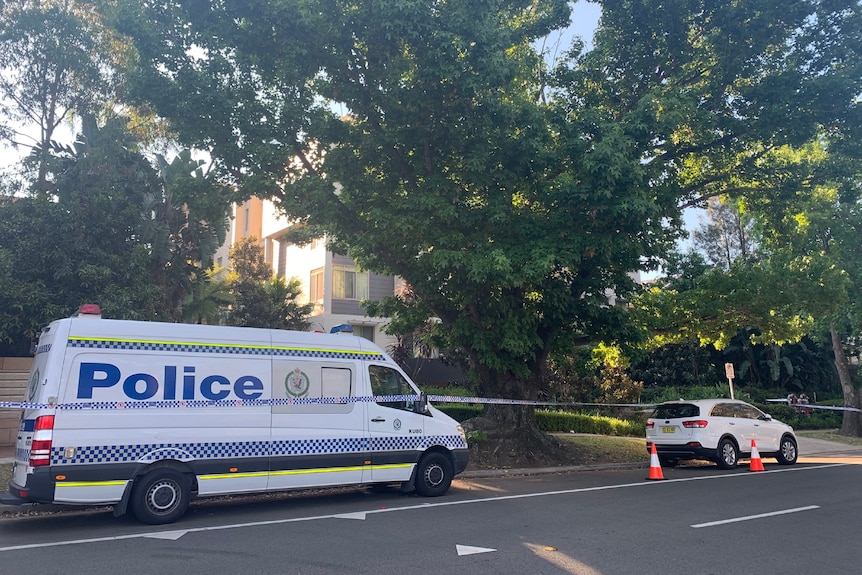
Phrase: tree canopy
(431, 141)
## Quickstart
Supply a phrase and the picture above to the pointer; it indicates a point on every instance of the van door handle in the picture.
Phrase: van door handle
(378, 420)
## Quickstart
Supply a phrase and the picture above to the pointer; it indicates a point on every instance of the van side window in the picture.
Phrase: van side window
(387, 381)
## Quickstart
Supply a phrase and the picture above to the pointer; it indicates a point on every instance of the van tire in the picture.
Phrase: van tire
(161, 496)
(433, 475)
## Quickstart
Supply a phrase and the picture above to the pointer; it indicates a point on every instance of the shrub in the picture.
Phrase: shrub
(460, 411)
(563, 422)
(818, 419)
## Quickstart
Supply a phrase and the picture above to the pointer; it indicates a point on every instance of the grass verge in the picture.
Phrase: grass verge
(5, 476)
(830, 435)
(608, 449)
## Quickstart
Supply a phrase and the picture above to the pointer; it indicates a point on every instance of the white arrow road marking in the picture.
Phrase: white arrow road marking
(169, 535)
(360, 516)
(759, 516)
(467, 550)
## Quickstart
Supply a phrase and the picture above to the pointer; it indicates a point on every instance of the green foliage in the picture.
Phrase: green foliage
(674, 393)
(511, 207)
(209, 299)
(262, 299)
(105, 228)
(460, 411)
(799, 419)
(683, 364)
(54, 59)
(560, 421)
(563, 422)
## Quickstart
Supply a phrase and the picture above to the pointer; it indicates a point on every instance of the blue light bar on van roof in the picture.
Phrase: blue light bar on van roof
(342, 328)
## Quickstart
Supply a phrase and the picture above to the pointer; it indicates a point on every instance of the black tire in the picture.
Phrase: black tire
(433, 475)
(788, 452)
(665, 461)
(161, 496)
(727, 454)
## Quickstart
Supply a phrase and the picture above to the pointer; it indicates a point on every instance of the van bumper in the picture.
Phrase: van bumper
(8, 498)
(39, 489)
(460, 457)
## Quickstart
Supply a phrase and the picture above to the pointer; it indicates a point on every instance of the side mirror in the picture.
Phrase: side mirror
(421, 406)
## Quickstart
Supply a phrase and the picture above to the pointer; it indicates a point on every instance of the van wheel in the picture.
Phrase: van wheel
(161, 497)
(433, 475)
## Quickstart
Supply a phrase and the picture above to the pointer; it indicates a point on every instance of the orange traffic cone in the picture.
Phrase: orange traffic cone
(756, 463)
(654, 465)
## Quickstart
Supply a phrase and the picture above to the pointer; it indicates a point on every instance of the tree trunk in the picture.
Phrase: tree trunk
(508, 436)
(851, 424)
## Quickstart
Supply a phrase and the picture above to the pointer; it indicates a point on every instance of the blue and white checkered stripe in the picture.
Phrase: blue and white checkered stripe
(147, 453)
(333, 400)
(210, 403)
(192, 347)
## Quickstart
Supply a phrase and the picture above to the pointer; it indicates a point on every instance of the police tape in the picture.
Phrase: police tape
(203, 403)
(296, 401)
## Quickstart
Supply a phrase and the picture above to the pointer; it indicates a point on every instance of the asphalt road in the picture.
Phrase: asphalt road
(699, 520)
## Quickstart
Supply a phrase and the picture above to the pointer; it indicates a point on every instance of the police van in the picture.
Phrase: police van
(146, 416)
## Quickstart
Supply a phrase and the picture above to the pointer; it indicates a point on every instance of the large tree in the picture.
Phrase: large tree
(55, 61)
(806, 281)
(422, 136)
(819, 227)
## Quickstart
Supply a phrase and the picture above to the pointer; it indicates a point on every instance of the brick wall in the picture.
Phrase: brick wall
(14, 372)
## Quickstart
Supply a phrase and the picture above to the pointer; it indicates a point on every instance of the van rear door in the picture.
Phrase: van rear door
(43, 388)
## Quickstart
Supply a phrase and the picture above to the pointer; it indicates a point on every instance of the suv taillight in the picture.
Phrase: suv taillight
(650, 424)
(696, 424)
(43, 435)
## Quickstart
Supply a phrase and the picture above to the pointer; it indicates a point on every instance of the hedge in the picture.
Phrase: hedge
(559, 421)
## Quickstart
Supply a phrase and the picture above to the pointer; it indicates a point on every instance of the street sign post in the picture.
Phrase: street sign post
(728, 371)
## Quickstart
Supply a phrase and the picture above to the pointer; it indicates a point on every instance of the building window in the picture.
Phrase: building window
(366, 331)
(348, 283)
(315, 285)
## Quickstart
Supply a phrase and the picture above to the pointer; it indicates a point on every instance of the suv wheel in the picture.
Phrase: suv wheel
(787, 451)
(728, 454)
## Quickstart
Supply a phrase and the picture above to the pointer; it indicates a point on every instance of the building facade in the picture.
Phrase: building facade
(331, 281)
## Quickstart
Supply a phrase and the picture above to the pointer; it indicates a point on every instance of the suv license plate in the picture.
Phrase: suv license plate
(668, 430)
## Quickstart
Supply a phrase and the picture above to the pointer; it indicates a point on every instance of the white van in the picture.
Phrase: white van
(147, 415)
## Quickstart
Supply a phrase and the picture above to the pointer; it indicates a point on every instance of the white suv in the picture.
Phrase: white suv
(720, 430)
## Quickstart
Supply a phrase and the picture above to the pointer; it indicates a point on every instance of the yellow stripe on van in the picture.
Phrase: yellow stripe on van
(392, 466)
(320, 470)
(303, 471)
(89, 483)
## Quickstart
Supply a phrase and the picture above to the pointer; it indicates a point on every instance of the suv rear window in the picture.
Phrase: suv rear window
(675, 411)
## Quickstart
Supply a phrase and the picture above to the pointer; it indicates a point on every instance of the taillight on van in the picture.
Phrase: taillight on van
(650, 424)
(43, 435)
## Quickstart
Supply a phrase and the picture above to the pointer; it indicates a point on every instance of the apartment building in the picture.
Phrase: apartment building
(331, 281)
